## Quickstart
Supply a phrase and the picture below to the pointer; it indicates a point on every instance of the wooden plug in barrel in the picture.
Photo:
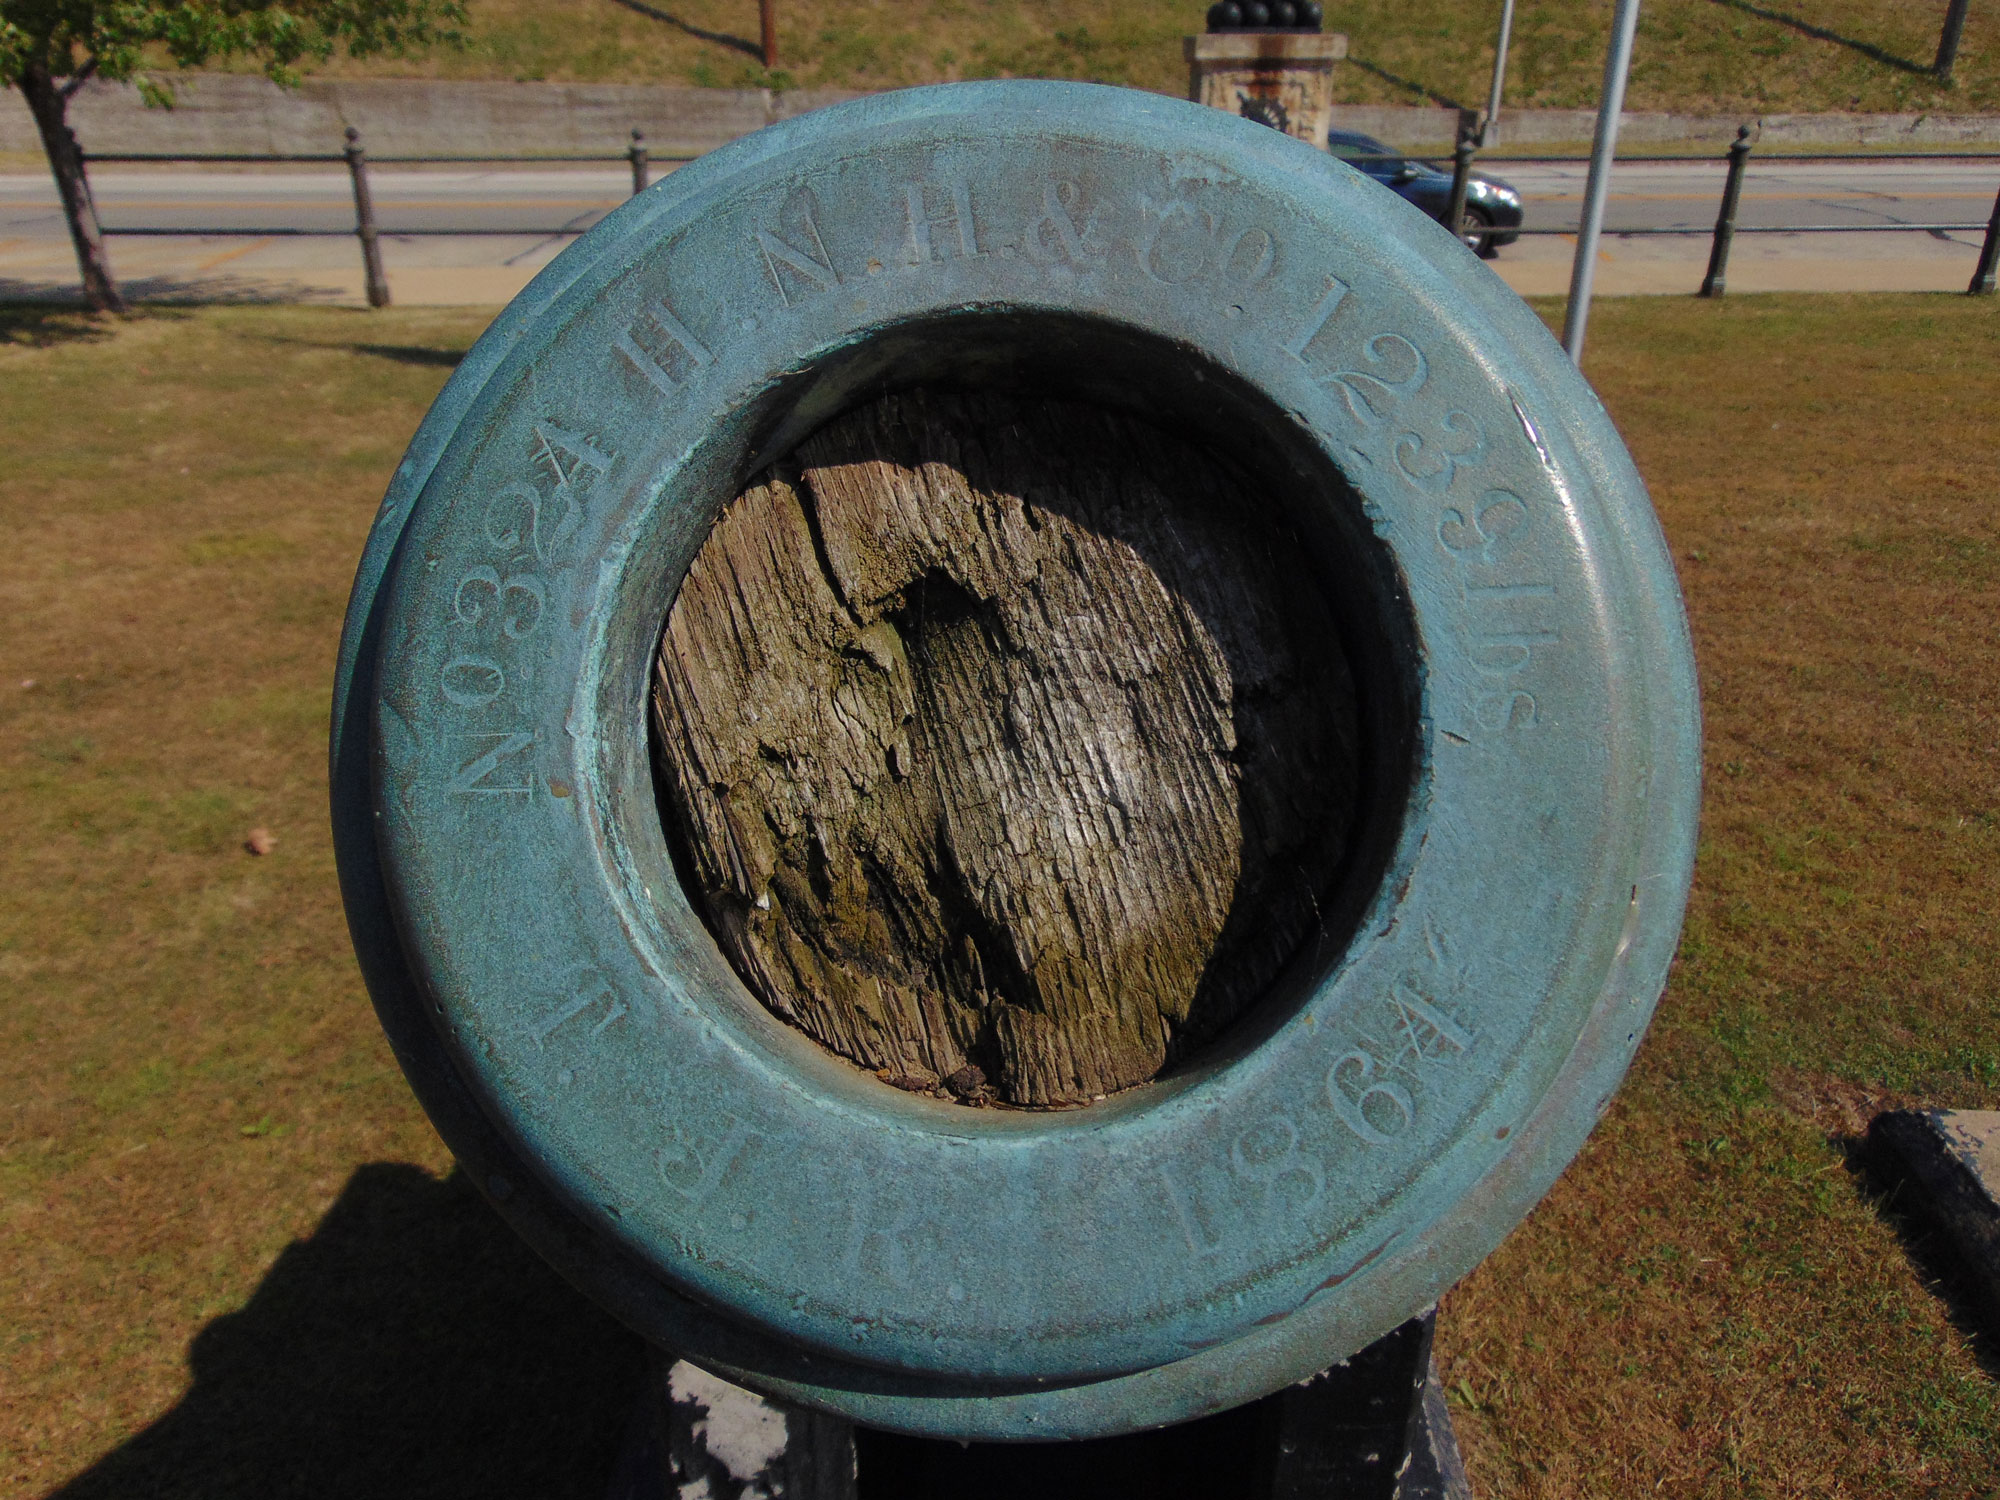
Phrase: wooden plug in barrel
(1009, 743)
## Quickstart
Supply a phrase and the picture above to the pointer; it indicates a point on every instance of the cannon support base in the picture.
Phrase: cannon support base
(1373, 1427)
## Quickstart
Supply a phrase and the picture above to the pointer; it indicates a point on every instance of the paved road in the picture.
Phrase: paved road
(248, 260)
(1685, 195)
(1661, 195)
(248, 201)
(1646, 195)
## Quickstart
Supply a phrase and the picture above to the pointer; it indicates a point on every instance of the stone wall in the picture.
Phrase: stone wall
(1401, 125)
(220, 112)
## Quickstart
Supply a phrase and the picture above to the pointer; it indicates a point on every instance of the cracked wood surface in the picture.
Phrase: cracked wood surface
(1008, 745)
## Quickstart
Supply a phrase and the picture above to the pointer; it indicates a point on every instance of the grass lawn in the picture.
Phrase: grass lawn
(1731, 56)
(233, 1258)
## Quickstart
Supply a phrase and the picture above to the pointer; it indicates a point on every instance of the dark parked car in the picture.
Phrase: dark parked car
(1492, 207)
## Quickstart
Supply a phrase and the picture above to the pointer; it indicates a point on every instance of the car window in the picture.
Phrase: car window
(1358, 148)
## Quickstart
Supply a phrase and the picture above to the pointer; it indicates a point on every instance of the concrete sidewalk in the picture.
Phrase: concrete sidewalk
(1675, 264)
(488, 272)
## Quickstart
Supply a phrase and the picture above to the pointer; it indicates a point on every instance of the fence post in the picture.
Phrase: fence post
(1716, 281)
(1461, 177)
(364, 222)
(637, 154)
(1982, 275)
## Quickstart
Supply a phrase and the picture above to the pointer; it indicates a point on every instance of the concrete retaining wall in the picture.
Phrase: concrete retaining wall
(1403, 126)
(219, 112)
(235, 113)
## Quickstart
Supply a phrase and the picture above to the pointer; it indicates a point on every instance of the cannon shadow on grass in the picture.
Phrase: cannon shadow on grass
(46, 325)
(411, 1346)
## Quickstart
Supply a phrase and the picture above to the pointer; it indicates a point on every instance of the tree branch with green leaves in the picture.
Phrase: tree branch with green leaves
(50, 48)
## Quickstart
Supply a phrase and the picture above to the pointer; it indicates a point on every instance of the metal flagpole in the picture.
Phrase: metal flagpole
(1617, 63)
(1499, 73)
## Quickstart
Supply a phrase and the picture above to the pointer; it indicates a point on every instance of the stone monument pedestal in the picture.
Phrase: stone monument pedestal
(1372, 1427)
(1279, 78)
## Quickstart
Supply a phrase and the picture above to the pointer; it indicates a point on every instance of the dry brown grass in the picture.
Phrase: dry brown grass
(205, 1141)
(1706, 1303)
(1704, 55)
(192, 1080)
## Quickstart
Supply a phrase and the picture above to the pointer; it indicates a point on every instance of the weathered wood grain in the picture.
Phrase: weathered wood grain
(1009, 745)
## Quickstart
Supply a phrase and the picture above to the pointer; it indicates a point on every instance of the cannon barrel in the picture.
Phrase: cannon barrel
(972, 1075)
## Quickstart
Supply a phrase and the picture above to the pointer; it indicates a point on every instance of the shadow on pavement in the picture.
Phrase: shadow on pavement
(412, 1346)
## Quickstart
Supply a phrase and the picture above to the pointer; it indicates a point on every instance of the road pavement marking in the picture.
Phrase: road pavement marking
(228, 255)
(329, 204)
(1829, 197)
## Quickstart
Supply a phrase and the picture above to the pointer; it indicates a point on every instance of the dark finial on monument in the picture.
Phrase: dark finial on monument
(1265, 15)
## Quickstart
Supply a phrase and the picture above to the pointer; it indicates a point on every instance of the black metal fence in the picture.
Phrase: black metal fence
(366, 229)
(368, 233)
(1724, 232)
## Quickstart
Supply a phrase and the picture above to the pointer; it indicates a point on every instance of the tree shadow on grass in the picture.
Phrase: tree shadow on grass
(412, 1346)
(1396, 80)
(720, 38)
(1821, 34)
(45, 325)
(150, 292)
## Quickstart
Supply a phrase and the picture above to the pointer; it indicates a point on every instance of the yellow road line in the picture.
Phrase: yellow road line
(244, 205)
(228, 255)
(1766, 197)
(329, 206)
